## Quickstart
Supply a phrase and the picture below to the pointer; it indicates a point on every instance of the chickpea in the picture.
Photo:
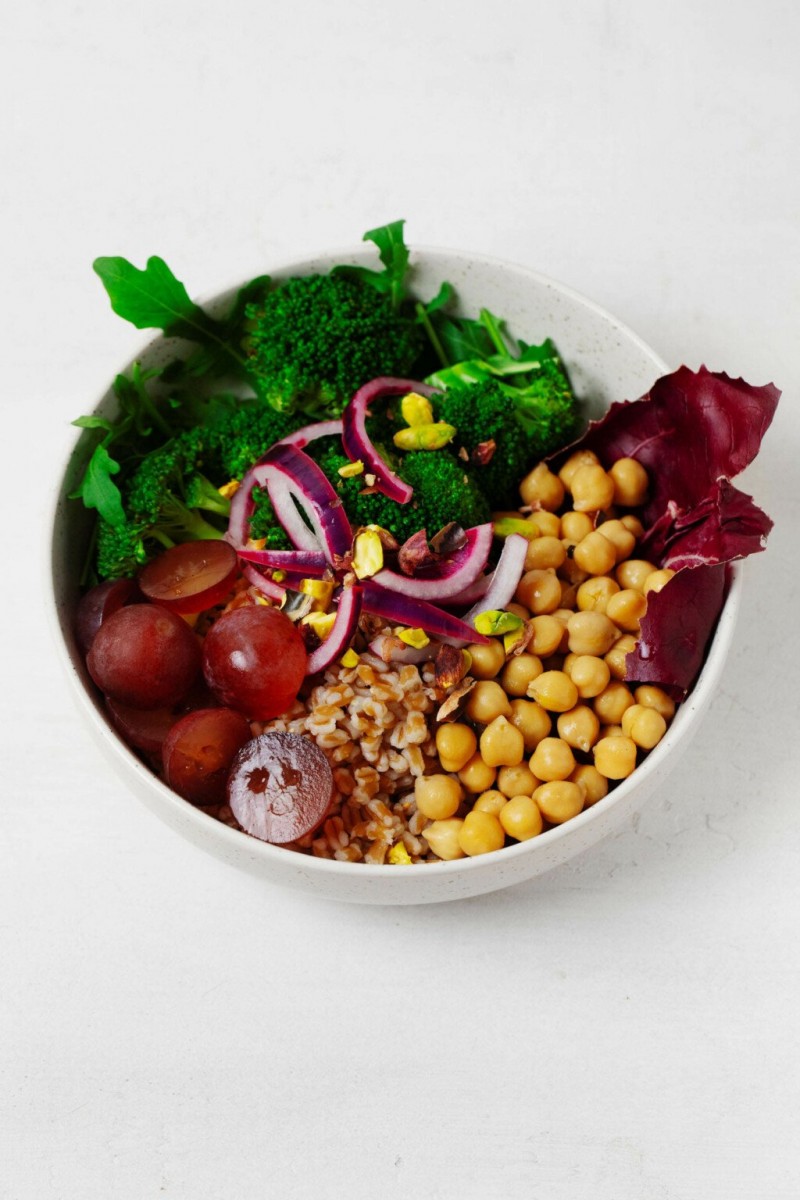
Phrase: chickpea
(633, 523)
(552, 759)
(490, 802)
(589, 673)
(481, 833)
(658, 580)
(575, 526)
(442, 837)
(592, 489)
(502, 744)
(437, 796)
(541, 487)
(630, 482)
(595, 554)
(455, 745)
(591, 633)
(569, 571)
(612, 702)
(487, 658)
(579, 727)
(569, 597)
(644, 726)
(477, 776)
(594, 785)
(531, 720)
(593, 595)
(521, 818)
(517, 781)
(486, 701)
(633, 573)
(519, 610)
(559, 800)
(547, 523)
(615, 757)
(616, 656)
(651, 696)
(543, 553)
(554, 690)
(540, 591)
(580, 458)
(626, 608)
(620, 537)
(608, 731)
(548, 633)
(519, 672)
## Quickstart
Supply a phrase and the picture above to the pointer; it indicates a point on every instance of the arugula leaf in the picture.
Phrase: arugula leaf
(149, 299)
(97, 489)
(394, 256)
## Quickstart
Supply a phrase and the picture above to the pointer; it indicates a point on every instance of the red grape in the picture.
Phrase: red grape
(145, 656)
(198, 752)
(254, 660)
(190, 577)
(97, 604)
(144, 728)
(280, 786)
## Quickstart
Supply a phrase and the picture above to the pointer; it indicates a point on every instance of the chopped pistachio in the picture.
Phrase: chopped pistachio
(434, 436)
(322, 623)
(416, 409)
(417, 638)
(351, 469)
(321, 590)
(505, 526)
(511, 638)
(368, 554)
(495, 622)
(399, 856)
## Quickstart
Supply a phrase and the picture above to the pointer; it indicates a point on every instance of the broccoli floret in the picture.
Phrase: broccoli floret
(242, 431)
(264, 524)
(315, 339)
(162, 503)
(482, 412)
(442, 493)
(523, 403)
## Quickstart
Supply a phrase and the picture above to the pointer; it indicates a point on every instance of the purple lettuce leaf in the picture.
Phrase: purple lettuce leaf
(692, 432)
(725, 525)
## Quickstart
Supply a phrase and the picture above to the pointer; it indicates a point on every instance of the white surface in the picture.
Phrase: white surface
(625, 1028)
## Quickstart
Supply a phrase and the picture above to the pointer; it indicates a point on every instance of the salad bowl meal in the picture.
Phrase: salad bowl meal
(399, 576)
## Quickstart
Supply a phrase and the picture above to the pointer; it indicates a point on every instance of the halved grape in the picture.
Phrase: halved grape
(280, 786)
(190, 577)
(198, 751)
(145, 656)
(254, 660)
(97, 604)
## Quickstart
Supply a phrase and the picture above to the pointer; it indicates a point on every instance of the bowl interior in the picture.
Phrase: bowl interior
(606, 362)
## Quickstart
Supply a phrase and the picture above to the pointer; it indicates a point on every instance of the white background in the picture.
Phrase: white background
(625, 1028)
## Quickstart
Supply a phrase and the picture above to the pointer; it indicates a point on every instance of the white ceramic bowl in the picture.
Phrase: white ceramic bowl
(606, 362)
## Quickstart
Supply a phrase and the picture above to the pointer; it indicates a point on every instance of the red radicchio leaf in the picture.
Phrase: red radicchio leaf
(723, 526)
(676, 628)
(692, 433)
(690, 429)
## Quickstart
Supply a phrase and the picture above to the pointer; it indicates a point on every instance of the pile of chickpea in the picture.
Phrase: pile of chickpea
(546, 732)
